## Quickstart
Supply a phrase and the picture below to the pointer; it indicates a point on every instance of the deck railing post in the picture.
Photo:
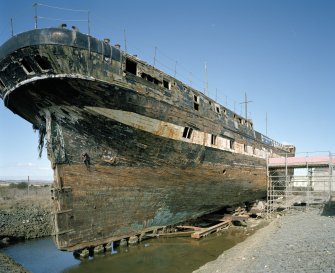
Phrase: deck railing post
(330, 176)
(267, 186)
(286, 183)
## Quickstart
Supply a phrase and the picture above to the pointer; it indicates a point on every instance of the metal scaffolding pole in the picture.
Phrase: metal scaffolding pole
(286, 188)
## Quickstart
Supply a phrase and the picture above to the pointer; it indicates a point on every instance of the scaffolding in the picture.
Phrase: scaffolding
(299, 181)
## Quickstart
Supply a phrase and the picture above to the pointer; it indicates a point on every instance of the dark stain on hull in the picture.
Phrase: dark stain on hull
(132, 147)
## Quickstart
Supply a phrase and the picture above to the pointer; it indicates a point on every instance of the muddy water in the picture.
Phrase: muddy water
(178, 255)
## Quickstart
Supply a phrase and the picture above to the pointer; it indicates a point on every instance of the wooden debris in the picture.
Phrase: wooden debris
(189, 227)
(205, 231)
(239, 215)
(171, 234)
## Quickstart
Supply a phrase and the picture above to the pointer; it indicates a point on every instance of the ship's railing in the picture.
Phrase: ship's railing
(268, 141)
(307, 157)
(86, 12)
(44, 13)
(99, 46)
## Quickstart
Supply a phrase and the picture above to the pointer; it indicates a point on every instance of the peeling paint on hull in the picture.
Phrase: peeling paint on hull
(132, 148)
(125, 200)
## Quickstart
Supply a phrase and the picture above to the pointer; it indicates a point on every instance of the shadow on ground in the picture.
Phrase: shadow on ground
(329, 209)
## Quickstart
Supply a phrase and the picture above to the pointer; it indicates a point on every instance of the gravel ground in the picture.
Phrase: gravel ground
(23, 215)
(8, 265)
(299, 241)
(25, 221)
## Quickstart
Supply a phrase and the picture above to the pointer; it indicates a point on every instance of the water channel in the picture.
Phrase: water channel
(178, 255)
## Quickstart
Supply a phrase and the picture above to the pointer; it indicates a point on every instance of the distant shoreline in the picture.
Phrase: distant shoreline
(31, 181)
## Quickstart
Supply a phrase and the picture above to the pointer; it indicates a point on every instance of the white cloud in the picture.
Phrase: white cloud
(21, 170)
(26, 164)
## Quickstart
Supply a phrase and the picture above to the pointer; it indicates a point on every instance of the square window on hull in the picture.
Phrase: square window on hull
(166, 84)
(187, 132)
(42, 62)
(196, 106)
(131, 67)
(213, 140)
(26, 65)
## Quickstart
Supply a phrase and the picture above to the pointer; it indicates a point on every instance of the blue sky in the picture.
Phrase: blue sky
(281, 53)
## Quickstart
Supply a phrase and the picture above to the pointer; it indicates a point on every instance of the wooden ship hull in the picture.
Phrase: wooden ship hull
(132, 148)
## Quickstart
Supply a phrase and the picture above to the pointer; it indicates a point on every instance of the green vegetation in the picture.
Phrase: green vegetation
(20, 185)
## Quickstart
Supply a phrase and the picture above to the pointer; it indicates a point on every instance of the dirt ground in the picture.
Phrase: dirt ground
(299, 241)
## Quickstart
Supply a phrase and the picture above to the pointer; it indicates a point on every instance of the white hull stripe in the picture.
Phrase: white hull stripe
(171, 131)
